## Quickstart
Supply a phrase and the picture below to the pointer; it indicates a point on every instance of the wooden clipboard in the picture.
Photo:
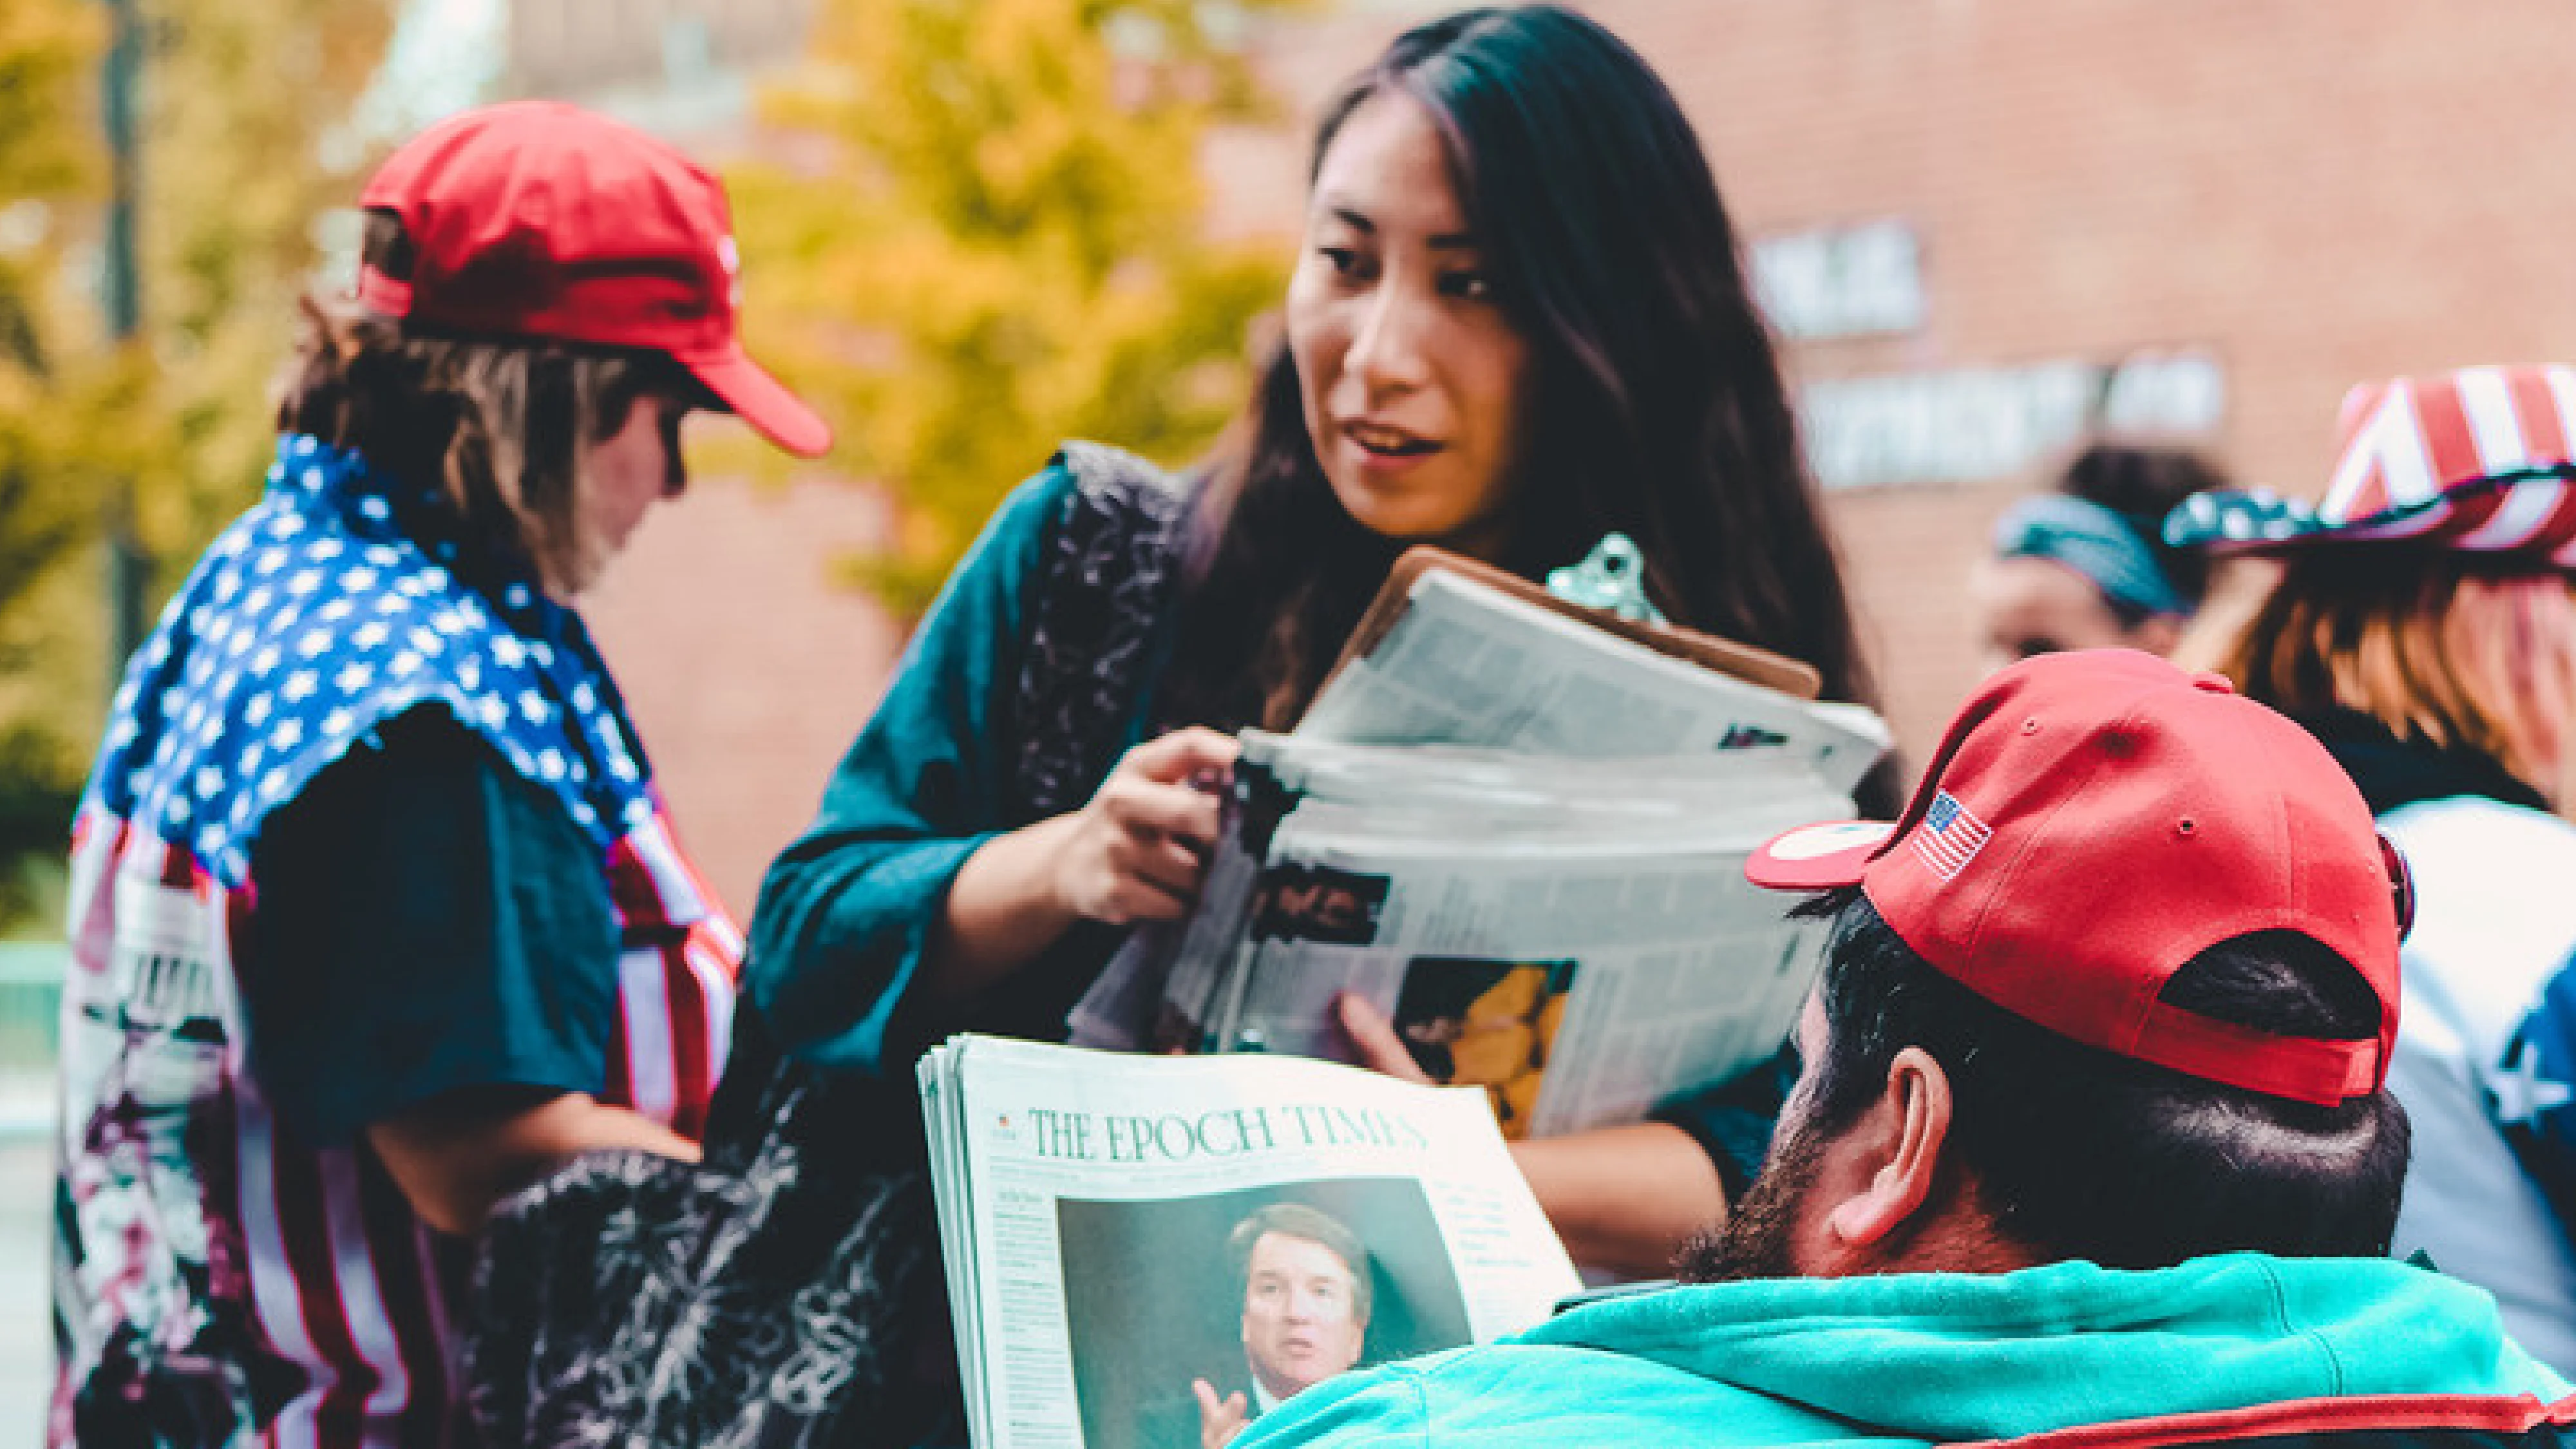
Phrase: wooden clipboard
(1740, 661)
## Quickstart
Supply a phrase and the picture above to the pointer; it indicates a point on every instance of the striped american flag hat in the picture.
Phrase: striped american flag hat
(2476, 460)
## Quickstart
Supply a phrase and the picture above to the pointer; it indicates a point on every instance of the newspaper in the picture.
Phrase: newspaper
(1468, 664)
(1521, 838)
(1576, 937)
(1144, 1252)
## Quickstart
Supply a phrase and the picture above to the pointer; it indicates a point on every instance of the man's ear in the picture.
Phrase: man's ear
(1901, 1139)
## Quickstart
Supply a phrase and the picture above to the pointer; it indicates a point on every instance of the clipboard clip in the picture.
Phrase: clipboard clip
(1612, 578)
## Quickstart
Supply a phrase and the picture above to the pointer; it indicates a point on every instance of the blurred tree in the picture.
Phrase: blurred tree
(49, 171)
(236, 99)
(241, 101)
(988, 237)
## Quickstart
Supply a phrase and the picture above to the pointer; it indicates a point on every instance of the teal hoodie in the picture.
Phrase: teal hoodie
(1920, 1359)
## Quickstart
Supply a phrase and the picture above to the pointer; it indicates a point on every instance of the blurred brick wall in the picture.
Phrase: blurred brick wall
(2314, 193)
(746, 662)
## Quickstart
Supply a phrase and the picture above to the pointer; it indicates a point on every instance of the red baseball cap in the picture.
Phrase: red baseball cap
(2094, 820)
(537, 219)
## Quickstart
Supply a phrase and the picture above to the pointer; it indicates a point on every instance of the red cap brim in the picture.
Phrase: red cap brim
(1818, 857)
(761, 400)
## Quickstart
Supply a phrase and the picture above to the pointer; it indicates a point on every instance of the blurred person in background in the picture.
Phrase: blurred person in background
(376, 916)
(2085, 565)
(2424, 628)
(1518, 322)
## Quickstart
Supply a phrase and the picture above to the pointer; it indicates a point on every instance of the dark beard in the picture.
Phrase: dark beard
(1754, 1241)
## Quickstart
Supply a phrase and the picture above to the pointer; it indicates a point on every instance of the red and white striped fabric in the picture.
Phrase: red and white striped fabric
(309, 1262)
(2476, 460)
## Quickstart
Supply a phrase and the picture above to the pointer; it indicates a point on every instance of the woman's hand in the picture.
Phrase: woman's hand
(1375, 1041)
(1623, 1198)
(1138, 851)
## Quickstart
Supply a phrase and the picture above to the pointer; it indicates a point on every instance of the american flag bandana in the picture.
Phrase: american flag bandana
(1950, 836)
(339, 602)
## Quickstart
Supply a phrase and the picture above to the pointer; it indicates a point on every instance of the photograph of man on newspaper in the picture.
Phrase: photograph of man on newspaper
(1474, 1022)
(1191, 1317)
(1319, 903)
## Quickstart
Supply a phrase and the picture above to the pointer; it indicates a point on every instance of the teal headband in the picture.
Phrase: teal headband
(2095, 542)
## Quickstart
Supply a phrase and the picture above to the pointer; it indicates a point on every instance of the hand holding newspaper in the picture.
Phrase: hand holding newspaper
(1518, 832)
(1148, 1252)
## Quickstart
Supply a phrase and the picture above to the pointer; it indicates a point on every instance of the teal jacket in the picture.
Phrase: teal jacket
(1923, 1359)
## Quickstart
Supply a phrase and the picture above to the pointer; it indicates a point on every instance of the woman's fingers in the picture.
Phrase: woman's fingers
(1159, 862)
(1145, 806)
(1374, 1039)
(1133, 901)
(1139, 849)
(1183, 754)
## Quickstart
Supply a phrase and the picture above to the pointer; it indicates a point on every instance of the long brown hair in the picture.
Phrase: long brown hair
(2443, 647)
(494, 426)
(1660, 409)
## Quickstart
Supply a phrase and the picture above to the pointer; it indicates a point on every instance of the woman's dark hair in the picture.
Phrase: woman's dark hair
(2077, 1153)
(2142, 483)
(1660, 409)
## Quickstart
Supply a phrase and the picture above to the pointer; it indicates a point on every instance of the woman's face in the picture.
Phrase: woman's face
(2027, 606)
(619, 479)
(1411, 375)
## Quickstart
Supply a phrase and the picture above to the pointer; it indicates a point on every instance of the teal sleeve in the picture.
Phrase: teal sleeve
(846, 910)
(1384, 1406)
(427, 922)
(1733, 1121)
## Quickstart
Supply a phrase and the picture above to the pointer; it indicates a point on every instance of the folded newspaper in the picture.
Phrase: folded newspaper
(1149, 1252)
(1522, 839)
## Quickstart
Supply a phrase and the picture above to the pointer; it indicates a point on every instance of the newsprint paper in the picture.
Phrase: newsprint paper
(1145, 1250)
(1522, 840)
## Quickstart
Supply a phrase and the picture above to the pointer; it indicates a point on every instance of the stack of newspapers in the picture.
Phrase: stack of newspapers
(1149, 1253)
(1521, 837)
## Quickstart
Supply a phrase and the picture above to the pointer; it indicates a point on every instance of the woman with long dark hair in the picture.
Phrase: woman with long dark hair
(1518, 322)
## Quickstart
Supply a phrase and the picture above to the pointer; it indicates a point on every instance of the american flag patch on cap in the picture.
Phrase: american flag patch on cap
(1950, 836)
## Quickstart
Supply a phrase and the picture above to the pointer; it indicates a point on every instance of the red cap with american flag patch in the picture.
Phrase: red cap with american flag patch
(2476, 460)
(2094, 820)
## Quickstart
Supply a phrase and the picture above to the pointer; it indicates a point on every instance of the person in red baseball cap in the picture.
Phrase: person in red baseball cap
(376, 915)
(2424, 628)
(2091, 1143)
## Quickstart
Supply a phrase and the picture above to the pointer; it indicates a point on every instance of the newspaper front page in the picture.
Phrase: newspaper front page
(1141, 1249)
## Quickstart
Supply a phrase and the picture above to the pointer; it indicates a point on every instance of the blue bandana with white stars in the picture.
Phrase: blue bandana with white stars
(342, 600)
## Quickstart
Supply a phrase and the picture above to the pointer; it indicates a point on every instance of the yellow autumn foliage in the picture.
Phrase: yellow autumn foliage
(982, 234)
(234, 98)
